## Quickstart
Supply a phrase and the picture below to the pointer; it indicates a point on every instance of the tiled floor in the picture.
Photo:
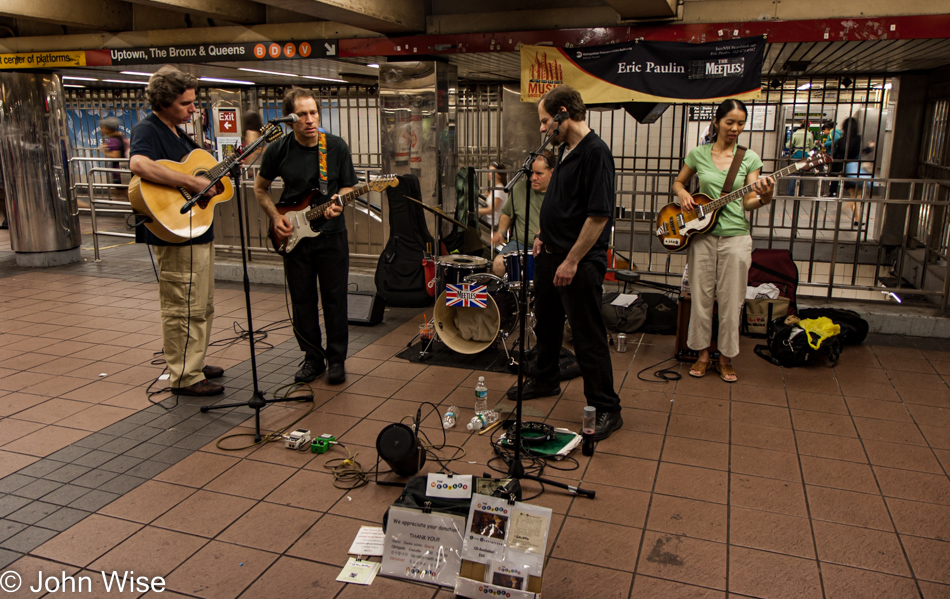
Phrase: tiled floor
(808, 482)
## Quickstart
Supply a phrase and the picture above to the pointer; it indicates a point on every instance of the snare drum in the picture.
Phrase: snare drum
(513, 268)
(454, 268)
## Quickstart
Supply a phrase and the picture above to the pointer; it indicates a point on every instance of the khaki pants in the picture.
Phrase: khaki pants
(186, 298)
(718, 271)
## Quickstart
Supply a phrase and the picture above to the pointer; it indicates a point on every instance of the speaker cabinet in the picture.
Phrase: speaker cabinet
(365, 308)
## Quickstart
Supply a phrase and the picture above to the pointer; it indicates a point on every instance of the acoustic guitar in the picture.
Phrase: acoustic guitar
(162, 204)
(306, 220)
(676, 228)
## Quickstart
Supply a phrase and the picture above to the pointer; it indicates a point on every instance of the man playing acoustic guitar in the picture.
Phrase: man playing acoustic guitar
(186, 269)
(312, 164)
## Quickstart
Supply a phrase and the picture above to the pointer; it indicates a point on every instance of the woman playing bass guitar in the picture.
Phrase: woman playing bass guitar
(719, 260)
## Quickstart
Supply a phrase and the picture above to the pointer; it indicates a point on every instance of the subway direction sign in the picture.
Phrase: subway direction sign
(200, 53)
(42, 60)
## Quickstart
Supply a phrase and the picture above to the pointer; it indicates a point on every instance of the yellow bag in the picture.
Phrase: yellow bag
(819, 329)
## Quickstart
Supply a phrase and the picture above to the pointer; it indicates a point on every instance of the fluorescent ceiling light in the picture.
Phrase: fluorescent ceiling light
(805, 86)
(216, 80)
(135, 73)
(78, 78)
(73, 85)
(267, 72)
(324, 79)
(128, 82)
(373, 65)
(888, 86)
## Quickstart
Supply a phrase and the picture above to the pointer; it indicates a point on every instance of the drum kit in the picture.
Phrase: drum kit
(494, 323)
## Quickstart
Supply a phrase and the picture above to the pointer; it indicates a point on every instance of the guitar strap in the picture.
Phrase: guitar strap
(322, 152)
(733, 170)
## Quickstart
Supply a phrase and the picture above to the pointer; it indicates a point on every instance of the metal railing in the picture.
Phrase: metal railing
(889, 241)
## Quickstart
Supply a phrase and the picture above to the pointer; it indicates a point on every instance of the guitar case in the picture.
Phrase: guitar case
(400, 276)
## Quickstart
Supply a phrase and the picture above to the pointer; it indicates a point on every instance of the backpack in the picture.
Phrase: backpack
(661, 314)
(787, 346)
(854, 329)
(623, 319)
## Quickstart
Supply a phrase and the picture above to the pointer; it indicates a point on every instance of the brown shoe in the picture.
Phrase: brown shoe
(200, 388)
(212, 372)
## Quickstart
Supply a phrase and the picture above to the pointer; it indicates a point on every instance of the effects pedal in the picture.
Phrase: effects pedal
(297, 439)
(322, 443)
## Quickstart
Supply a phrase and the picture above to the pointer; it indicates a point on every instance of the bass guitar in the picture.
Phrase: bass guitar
(675, 228)
(162, 204)
(306, 220)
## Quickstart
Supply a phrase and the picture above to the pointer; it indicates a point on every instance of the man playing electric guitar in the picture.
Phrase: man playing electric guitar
(307, 160)
(186, 270)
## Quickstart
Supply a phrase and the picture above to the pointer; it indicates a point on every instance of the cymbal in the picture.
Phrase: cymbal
(437, 211)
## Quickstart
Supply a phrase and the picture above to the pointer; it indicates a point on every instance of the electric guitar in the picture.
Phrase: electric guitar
(162, 203)
(676, 228)
(306, 221)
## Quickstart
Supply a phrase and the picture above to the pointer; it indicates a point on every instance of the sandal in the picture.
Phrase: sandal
(727, 372)
(698, 369)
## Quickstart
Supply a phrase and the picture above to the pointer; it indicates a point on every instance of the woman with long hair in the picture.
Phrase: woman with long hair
(848, 147)
(719, 259)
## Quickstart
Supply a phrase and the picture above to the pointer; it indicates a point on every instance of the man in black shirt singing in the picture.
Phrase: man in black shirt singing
(571, 258)
(312, 161)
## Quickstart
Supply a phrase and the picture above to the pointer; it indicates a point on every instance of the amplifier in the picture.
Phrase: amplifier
(365, 308)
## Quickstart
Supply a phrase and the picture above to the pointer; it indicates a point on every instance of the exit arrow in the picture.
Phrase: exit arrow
(331, 49)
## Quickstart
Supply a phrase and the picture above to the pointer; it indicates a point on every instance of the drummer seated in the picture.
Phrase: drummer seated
(498, 264)
(514, 210)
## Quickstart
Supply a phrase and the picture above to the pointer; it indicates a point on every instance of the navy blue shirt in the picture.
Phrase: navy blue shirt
(153, 139)
(582, 185)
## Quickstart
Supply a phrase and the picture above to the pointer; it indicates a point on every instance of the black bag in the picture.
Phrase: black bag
(661, 314)
(854, 329)
(620, 319)
(786, 345)
(400, 277)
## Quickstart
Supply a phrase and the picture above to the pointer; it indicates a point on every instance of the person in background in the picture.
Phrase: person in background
(830, 134)
(252, 131)
(848, 148)
(113, 146)
(491, 213)
(719, 260)
(801, 142)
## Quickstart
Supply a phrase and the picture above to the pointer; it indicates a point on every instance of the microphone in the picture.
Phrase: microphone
(560, 117)
(290, 118)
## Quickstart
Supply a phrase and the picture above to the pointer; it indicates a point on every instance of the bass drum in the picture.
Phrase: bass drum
(473, 330)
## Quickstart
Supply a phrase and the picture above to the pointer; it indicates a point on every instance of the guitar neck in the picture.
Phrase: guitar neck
(739, 193)
(344, 199)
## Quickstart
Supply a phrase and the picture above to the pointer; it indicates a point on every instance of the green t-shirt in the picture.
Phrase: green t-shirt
(514, 208)
(732, 221)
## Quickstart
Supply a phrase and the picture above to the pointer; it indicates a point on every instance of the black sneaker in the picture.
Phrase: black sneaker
(309, 370)
(532, 389)
(607, 423)
(336, 374)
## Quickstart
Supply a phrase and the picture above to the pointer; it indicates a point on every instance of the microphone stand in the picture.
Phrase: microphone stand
(516, 468)
(257, 401)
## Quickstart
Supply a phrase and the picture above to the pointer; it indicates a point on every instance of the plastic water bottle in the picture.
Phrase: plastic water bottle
(480, 421)
(481, 396)
(448, 421)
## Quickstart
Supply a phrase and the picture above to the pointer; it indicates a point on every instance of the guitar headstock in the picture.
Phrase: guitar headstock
(816, 158)
(272, 132)
(382, 182)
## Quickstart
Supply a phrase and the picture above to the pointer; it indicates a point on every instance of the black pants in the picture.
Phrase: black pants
(580, 302)
(320, 264)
